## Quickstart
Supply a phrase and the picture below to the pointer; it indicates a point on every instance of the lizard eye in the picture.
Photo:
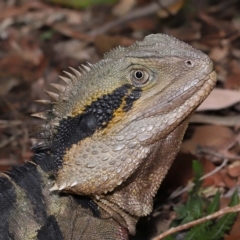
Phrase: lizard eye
(139, 77)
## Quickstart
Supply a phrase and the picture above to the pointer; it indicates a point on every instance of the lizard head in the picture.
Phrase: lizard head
(113, 126)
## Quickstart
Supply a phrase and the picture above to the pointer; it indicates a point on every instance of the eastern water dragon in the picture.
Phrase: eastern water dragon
(110, 137)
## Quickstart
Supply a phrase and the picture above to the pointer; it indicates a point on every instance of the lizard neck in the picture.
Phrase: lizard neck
(127, 202)
(81, 212)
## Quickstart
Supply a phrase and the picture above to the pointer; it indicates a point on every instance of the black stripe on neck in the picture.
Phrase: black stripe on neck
(95, 116)
(131, 98)
(30, 180)
(50, 230)
(7, 202)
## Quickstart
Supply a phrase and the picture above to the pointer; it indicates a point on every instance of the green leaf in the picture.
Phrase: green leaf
(214, 205)
(198, 232)
(81, 3)
(197, 207)
(47, 35)
(194, 209)
(180, 211)
(224, 224)
(171, 237)
(234, 200)
(198, 173)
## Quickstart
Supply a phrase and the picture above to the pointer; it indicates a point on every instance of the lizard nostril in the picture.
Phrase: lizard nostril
(189, 63)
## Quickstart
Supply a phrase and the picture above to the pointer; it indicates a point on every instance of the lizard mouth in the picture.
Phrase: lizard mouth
(201, 90)
(188, 99)
(191, 87)
(198, 89)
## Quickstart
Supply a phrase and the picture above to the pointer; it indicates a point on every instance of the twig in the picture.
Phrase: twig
(199, 221)
(178, 191)
(7, 123)
(5, 142)
(229, 121)
(215, 170)
(219, 155)
(229, 193)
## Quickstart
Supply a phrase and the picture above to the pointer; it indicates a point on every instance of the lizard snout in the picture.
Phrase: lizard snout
(208, 68)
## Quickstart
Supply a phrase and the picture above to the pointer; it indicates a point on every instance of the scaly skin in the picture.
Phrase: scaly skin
(110, 139)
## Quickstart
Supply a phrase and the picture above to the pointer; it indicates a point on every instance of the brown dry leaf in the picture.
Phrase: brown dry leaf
(74, 49)
(217, 53)
(24, 59)
(104, 43)
(73, 16)
(170, 7)
(37, 88)
(234, 169)
(234, 64)
(190, 32)
(219, 99)
(224, 27)
(233, 81)
(7, 84)
(224, 201)
(163, 219)
(215, 179)
(234, 233)
(143, 23)
(13, 65)
(210, 191)
(123, 7)
(228, 121)
(209, 136)
(236, 52)
(20, 10)
(34, 20)
(228, 181)
(32, 54)
(68, 31)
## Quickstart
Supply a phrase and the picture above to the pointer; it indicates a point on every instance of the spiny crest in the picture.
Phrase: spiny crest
(42, 115)
(120, 52)
(59, 87)
(52, 116)
(153, 43)
(52, 95)
(117, 52)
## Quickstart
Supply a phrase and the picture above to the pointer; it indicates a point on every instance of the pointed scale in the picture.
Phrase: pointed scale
(72, 77)
(54, 188)
(68, 81)
(89, 64)
(45, 102)
(83, 70)
(42, 115)
(86, 68)
(59, 87)
(76, 72)
(52, 95)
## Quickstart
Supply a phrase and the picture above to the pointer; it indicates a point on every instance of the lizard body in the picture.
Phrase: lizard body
(109, 139)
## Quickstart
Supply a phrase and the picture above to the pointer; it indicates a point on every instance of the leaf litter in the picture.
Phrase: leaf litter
(40, 39)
